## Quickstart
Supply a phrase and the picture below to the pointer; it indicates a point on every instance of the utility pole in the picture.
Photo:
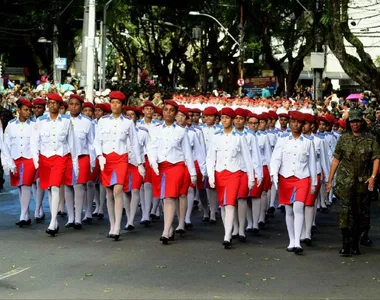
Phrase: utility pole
(317, 72)
(84, 45)
(90, 51)
(104, 45)
(241, 48)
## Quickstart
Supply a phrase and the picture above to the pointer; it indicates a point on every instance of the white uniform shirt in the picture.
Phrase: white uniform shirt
(143, 137)
(264, 146)
(116, 135)
(201, 138)
(84, 133)
(229, 152)
(147, 127)
(294, 157)
(323, 163)
(16, 141)
(54, 137)
(171, 144)
(208, 133)
(254, 150)
(198, 152)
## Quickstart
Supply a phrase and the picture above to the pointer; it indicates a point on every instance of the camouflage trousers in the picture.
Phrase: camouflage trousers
(354, 204)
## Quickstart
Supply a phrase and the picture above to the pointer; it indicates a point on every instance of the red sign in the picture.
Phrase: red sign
(240, 82)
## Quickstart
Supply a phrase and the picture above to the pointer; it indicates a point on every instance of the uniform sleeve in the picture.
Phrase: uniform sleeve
(6, 158)
(313, 164)
(276, 159)
(338, 153)
(200, 155)
(267, 151)
(247, 158)
(35, 140)
(211, 157)
(375, 150)
(256, 161)
(72, 145)
(324, 160)
(135, 145)
(202, 143)
(188, 154)
(152, 146)
(91, 148)
(98, 139)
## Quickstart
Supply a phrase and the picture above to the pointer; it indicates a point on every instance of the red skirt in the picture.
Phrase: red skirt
(263, 187)
(293, 189)
(243, 186)
(95, 175)
(36, 176)
(227, 186)
(170, 183)
(186, 183)
(26, 172)
(201, 185)
(133, 180)
(52, 170)
(84, 171)
(310, 199)
(115, 169)
(148, 171)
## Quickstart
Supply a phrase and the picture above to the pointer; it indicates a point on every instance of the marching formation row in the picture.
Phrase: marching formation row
(131, 155)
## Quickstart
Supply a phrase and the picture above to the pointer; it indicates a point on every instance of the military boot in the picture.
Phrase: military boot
(365, 240)
(346, 240)
(355, 241)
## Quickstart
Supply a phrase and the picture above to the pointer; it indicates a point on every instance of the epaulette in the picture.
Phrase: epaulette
(319, 135)
(251, 131)
(106, 116)
(156, 121)
(65, 116)
(309, 137)
(263, 132)
(237, 132)
(87, 117)
(43, 117)
(202, 125)
(191, 128)
(197, 127)
(142, 128)
(285, 134)
(218, 132)
(95, 121)
(182, 126)
(13, 120)
(32, 119)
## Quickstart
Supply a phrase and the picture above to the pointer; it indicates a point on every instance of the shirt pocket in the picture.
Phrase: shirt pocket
(105, 134)
(62, 136)
(45, 136)
(81, 135)
(303, 156)
(124, 134)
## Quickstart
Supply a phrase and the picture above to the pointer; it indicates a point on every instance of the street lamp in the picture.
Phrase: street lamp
(104, 46)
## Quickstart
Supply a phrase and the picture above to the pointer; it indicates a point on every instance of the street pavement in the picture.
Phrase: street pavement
(84, 264)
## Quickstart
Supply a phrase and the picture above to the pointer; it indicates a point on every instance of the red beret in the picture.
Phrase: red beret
(296, 115)
(284, 116)
(89, 104)
(54, 97)
(195, 110)
(211, 110)
(158, 110)
(183, 110)
(263, 117)
(228, 111)
(75, 96)
(126, 108)
(108, 107)
(39, 101)
(172, 103)
(342, 123)
(64, 103)
(148, 103)
(103, 107)
(272, 115)
(241, 112)
(287, 100)
(117, 95)
(26, 102)
(330, 119)
(253, 115)
(309, 118)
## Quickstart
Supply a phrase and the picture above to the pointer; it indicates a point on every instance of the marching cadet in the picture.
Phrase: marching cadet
(39, 107)
(133, 180)
(54, 150)
(88, 110)
(294, 173)
(356, 162)
(227, 156)
(17, 157)
(75, 188)
(101, 110)
(283, 120)
(209, 128)
(115, 135)
(323, 169)
(242, 204)
(168, 150)
(199, 157)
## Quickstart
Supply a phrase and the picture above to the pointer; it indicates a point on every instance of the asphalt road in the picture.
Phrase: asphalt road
(86, 265)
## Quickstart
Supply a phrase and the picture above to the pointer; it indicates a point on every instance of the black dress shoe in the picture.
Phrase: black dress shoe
(70, 225)
(212, 221)
(62, 213)
(325, 210)
(77, 226)
(145, 222)
(29, 222)
(59, 213)
(282, 209)
(100, 216)
(307, 241)
(242, 238)
(235, 236)
(51, 232)
(255, 231)
(271, 211)
(171, 238)
(109, 235)
(153, 217)
(206, 219)
(87, 221)
(57, 230)
(95, 214)
(116, 237)
(365, 240)
(188, 226)
(298, 250)
(21, 223)
(227, 244)
(261, 225)
(39, 219)
(249, 230)
(165, 240)
(157, 218)
(180, 231)
(290, 249)
(129, 227)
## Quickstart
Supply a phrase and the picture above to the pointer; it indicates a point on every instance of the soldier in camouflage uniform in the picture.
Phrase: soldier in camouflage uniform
(334, 110)
(356, 158)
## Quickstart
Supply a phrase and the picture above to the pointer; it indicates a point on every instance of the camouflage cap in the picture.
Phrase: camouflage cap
(355, 115)
(371, 118)
(369, 110)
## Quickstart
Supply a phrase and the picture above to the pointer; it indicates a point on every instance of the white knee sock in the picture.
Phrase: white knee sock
(155, 206)
(235, 228)
(289, 218)
(90, 196)
(169, 212)
(118, 196)
(111, 209)
(256, 208)
(228, 221)
(223, 214)
(190, 203)
(212, 196)
(24, 201)
(242, 212)
(322, 195)
(39, 197)
(273, 196)
(54, 206)
(135, 199)
(159, 207)
(62, 197)
(97, 199)
(127, 205)
(79, 196)
(263, 206)
(182, 211)
(309, 216)
(299, 213)
(148, 200)
(315, 214)
(249, 214)
(69, 195)
(102, 198)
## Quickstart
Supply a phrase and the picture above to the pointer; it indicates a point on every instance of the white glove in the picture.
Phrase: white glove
(76, 169)
(275, 181)
(251, 184)
(13, 169)
(6, 170)
(102, 162)
(154, 166)
(259, 181)
(211, 182)
(194, 180)
(141, 170)
(91, 169)
(313, 188)
(35, 162)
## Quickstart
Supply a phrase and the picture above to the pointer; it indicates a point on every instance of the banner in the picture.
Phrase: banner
(256, 84)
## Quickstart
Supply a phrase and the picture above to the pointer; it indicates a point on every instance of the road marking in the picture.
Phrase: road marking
(13, 272)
